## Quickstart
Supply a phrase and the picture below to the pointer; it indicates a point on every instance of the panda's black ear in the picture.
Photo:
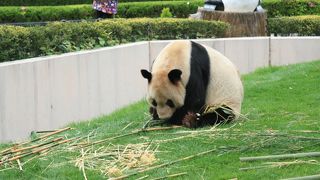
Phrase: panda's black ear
(146, 74)
(175, 75)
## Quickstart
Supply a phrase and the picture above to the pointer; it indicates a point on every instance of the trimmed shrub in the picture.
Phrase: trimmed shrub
(58, 2)
(299, 25)
(55, 38)
(16, 43)
(45, 13)
(169, 28)
(278, 8)
(165, 13)
(180, 9)
(71, 12)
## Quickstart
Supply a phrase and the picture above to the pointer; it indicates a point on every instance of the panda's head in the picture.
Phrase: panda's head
(166, 92)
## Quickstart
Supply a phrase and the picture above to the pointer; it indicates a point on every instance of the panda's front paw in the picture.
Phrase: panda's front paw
(190, 120)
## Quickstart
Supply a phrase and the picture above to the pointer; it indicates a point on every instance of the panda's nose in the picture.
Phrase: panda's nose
(163, 118)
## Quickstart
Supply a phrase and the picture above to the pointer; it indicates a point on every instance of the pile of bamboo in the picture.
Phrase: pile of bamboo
(119, 161)
(25, 151)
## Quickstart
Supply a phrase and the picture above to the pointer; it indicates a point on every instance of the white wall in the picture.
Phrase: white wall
(286, 50)
(49, 92)
(247, 53)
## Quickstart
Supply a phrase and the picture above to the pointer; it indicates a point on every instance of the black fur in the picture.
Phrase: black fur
(259, 4)
(175, 75)
(218, 3)
(196, 91)
(197, 85)
(221, 115)
(146, 74)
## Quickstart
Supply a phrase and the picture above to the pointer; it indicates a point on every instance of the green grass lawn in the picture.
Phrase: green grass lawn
(282, 115)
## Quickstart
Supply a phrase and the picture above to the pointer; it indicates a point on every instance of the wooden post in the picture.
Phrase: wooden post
(242, 24)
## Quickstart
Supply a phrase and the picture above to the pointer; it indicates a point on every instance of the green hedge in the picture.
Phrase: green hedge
(125, 10)
(179, 9)
(25, 42)
(45, 13)
(300, 25)
(58, 2)
(278, 8)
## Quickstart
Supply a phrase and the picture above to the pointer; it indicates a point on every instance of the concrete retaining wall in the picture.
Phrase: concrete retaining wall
(286, 50)
(50, 92)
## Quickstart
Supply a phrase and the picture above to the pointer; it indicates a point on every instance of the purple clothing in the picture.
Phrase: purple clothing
(106, 6)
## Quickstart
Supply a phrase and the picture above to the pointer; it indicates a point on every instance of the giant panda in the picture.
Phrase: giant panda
(187, 77)
(234, 5)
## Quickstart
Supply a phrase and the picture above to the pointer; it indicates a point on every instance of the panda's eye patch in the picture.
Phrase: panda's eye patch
(154, 103)
(170, 103)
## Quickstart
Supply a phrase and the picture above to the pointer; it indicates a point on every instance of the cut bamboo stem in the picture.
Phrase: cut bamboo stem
(35, 151)
(253, 168)
(171, 176)
(46, 131)
(34, 146)
(128, 134)
(47, 135)
(164, 164)
(159, 128)
(19, 164)
(287, 135)
(8, 149)
(313, 177)
(143, 177)
(281, 156)
(34, 140)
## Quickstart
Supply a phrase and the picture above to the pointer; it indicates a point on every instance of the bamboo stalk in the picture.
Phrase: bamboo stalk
(34, 146)
(158, 129)
(128, 134)
(171, 176)
(287, 135)
(164, 164)
(281, 156)
(19, 164)
(305, 131)
(313, 177)
(8, 149)
(46, 131)
(143, 177)
(47, 135)
(107, 139)
(34, 140)
(253, 168)
(35, 151)
(126, 126)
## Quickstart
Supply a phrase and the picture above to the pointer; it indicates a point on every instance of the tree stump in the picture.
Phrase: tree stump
(241, 24)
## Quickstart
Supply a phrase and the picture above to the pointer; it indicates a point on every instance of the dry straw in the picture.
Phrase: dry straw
(115, 160)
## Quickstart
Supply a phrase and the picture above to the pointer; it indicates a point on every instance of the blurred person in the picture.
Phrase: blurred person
(105, 8)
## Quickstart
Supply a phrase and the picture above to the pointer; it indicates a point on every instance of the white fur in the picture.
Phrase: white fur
(240, 5)
(224, 87)
(176, 55)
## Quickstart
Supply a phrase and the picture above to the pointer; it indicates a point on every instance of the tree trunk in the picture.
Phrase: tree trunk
(241, 24)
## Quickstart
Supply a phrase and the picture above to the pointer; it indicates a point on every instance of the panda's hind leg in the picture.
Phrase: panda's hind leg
(220, 115)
